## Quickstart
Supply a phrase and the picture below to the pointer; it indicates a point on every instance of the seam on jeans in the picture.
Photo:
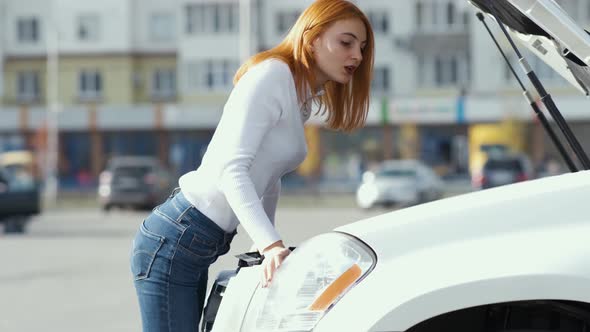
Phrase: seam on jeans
(183, 213)
(174, 252)
(175, 249)
(156, 237)
(168, 311)
(170, 220)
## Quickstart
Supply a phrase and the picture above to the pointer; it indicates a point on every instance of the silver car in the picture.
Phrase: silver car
(403, 182)
(134, 181)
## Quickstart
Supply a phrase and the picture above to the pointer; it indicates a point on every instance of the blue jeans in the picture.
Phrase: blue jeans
(171, 254)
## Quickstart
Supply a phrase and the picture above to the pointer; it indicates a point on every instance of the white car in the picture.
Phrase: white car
(512, 258)
(507, 254)
(404, 182)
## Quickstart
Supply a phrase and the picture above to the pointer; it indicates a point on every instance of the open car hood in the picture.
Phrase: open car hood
(549, 33)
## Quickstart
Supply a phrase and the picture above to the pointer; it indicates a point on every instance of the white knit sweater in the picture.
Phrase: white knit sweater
(259, 138)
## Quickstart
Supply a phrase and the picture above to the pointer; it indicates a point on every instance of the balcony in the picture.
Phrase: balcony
(435, 40)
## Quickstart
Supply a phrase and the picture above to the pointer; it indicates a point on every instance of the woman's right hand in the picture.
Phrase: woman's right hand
(274, 255)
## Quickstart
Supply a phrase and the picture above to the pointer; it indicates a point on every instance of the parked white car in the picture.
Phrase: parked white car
(404, 182)
(513, 258)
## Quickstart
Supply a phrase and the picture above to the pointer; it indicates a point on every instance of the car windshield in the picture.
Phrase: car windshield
(131, 171)
(18, 177)
(503, 165)
(406, 173)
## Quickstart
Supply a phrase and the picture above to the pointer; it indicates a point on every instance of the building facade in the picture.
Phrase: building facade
(151, 77)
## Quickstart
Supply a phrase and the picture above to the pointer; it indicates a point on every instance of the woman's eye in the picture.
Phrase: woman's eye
(345, 43)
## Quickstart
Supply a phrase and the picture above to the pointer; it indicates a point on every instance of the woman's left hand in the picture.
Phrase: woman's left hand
(273, 258)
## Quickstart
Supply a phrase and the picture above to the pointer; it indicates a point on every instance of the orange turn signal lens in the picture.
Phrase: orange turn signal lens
(336, 288)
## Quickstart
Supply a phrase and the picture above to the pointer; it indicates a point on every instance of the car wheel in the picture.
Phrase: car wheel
(523, 316)
(389, 205)
(422, 197)
(107, 207)
(15, 226)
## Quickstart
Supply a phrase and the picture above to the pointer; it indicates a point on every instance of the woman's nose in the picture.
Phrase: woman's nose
(358, 55)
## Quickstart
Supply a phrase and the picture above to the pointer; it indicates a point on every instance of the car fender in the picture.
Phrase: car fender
(517, 242)
(404, 291)
(236, 299)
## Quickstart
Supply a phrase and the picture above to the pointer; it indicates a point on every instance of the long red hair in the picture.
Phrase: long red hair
(347, 105)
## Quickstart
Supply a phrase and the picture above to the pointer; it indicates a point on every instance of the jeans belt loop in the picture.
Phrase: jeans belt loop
(174, 192)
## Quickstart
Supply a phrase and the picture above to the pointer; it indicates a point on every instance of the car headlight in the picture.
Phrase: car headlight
(309, 282)
(368, 192)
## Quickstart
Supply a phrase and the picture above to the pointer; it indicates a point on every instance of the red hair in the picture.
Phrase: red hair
(347, 105)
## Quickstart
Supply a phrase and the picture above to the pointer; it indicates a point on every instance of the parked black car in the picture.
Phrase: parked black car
(504, 169)
(137, 182)
(19, 199)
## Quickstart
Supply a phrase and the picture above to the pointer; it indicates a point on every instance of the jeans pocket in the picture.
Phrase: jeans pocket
(202, 247)
(145, 247)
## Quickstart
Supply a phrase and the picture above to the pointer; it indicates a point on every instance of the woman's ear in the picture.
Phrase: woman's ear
(314, 44)
(310, 44)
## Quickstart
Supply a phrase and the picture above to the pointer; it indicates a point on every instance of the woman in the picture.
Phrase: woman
(326, 58)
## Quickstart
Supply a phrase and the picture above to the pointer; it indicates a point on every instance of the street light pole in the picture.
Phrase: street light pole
(245, 29)
(2, 43)
(52, 84)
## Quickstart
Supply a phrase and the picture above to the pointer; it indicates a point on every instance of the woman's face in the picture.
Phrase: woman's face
(338, 51)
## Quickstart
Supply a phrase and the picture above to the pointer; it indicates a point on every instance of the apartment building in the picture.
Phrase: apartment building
(116, 68)
(151, 77)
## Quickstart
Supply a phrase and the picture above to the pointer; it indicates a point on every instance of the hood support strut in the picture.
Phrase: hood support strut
(540, 115)
(547, 100)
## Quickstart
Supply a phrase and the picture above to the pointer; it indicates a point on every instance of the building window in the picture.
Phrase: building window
(443, 70)
(27, 30)
(164, 83)
(89, 85)
(219, 74)
(88, 27)
(381, 82)
(436, 15)
(419, 13)
(466, 16)
(162, 27)
(285, 20)
(379, 21)
(28, 87)
(421, 64)
(212, 17)
(211, 75)
(451, 20)
(450, 70)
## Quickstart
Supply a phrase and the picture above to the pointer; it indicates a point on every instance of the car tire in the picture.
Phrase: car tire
(107, 207)
(15, 226)
(422, 197)
(523, 316)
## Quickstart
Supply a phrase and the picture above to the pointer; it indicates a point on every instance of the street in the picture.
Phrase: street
(70, 271)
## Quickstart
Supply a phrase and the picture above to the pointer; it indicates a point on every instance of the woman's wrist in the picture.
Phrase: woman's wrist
(278, 244)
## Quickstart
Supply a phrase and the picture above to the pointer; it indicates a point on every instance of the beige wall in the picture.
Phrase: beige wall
(11, 69)
(117, 73)
(209, 98)
(144, 67)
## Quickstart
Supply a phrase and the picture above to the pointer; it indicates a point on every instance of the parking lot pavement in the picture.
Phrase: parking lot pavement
(70, 271)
